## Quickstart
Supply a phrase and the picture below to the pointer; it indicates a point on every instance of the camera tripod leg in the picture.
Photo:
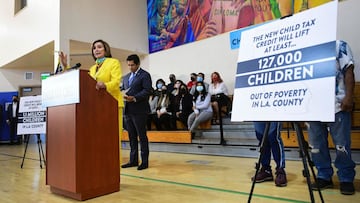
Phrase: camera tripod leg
(41, 155)
(257, 166)
(303, 146)
(26, 146)
(40, 149)
(222, 140)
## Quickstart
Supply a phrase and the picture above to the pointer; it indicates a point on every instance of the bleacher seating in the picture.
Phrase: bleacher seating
(182, 135)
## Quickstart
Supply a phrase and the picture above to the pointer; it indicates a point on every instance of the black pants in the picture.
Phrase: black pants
(136, 127)
(13, 131)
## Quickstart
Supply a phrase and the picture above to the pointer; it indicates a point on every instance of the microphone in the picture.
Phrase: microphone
(76, 66)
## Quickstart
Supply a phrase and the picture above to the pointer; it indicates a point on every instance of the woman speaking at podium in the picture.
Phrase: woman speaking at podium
(106, 71)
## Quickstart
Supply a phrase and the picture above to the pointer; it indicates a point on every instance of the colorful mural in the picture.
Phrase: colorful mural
(175, 22)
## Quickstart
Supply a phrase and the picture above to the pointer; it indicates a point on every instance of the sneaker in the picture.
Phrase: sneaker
(347, 188)
(263, 175)
(280, 179)
(323, 184)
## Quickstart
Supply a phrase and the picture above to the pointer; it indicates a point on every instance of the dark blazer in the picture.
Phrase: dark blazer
(187, 104)
(10, 112)
(140, 88)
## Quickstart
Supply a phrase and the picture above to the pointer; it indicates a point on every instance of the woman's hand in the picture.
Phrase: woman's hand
(63, 59)
(100, 85)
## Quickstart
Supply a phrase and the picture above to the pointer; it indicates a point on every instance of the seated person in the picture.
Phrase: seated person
(192, 81)
(163, 118)
(170, 86)
(200, 78)
(176, 87)
(183, 105)
(219, 95)
(201, 106)
(153, 101)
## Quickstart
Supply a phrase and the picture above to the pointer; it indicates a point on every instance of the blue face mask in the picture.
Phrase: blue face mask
(199, 79)
(159, 86)
(199, 88)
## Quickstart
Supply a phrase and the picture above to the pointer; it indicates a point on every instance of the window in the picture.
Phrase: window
(19, 4)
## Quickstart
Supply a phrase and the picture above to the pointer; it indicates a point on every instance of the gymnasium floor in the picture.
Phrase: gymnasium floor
(171, 177)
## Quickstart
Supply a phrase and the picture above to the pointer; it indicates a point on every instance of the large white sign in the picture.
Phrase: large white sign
(61, 89)
(286, 69)
(32, 116)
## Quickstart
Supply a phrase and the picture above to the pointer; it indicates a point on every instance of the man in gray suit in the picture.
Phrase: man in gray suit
(137, 88)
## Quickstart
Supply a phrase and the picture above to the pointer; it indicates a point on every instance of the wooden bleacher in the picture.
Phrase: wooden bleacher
(290, 139)
(164, 136)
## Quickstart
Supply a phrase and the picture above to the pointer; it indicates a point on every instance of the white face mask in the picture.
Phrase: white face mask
(159, 85)
(199, 88)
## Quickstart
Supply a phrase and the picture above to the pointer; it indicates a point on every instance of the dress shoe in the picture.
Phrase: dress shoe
(129, 165)
(142, 167)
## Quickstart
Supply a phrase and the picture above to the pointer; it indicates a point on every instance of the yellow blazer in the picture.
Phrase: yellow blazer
(110, 74)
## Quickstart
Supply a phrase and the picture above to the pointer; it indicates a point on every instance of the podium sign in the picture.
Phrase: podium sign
(61, 89)
(286, 69)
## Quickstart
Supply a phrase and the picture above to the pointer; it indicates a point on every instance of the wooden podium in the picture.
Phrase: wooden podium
(82, 143)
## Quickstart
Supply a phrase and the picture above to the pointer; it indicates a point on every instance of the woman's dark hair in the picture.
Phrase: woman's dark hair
(160, 80)
(184, 86)
(203, 92)
(180, 81)
(106, 47)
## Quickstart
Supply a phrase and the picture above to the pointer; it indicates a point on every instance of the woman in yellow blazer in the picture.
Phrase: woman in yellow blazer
(107, 72)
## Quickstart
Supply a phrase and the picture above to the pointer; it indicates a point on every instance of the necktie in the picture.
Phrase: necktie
(131, 78)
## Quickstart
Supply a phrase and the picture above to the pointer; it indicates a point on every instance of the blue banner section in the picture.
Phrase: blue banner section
(235, 39)
(307, 54)
(235, 36)
(290, 74)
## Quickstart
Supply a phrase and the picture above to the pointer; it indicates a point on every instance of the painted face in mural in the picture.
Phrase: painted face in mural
(99, 50)
(173, 10)
(162, 7)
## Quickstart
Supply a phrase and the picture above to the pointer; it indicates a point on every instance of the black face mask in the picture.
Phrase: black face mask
(15, 100)
(172, 80)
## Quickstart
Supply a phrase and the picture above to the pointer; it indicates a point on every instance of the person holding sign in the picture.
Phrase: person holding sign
(340, 129)
(273, 144)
